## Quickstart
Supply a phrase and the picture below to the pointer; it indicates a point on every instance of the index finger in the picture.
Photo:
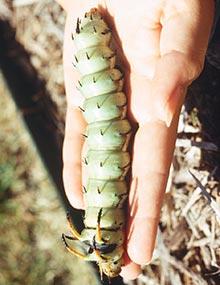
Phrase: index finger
(152, 155)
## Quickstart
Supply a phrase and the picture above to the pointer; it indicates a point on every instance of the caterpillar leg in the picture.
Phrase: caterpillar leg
(72, 228)
(99, 262)
(73, 250)
(98, 236)
(69, 237)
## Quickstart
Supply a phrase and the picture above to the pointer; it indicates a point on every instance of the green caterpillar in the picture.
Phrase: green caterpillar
(107, 136)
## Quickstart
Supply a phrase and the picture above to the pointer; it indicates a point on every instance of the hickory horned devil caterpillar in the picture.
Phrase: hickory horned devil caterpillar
(107, 135)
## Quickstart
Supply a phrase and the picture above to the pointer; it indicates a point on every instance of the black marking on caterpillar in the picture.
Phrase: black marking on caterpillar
(107, 135)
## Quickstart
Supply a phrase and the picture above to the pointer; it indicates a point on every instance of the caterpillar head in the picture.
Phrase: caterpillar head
(111, 269)
(111, 263)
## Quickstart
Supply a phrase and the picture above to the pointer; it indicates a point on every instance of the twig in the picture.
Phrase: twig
(164, 254)
(186, 143)
(211, 201)
(195, 196)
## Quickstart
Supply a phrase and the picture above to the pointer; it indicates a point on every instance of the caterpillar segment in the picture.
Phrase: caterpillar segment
(107, 160)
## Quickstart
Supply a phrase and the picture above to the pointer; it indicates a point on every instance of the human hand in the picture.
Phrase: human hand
(164, 43)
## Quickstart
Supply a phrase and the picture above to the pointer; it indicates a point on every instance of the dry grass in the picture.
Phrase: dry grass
(187, 250)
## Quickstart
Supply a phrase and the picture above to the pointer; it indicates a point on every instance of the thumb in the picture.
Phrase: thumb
(174, 73)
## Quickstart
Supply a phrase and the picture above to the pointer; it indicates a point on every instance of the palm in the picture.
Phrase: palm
(163, 51)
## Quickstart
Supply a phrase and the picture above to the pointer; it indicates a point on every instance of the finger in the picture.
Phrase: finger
(131, 271)
(186, 27)
(183, 43)
(152, 155)
(75, 124)
(170, 83)
(141, 45)
(72, 157)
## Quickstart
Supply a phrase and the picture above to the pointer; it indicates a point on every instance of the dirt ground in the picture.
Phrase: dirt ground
(31, 215)
(187, 250)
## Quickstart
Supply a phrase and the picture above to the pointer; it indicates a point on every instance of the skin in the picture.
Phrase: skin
(164, 44)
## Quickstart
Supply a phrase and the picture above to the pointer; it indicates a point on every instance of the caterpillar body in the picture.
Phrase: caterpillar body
(107, 160)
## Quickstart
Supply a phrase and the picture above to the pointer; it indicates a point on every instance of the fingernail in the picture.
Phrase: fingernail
(140, 276)
(127, 281)
(168, 118)
(131, 271)
(76, 203)
(147, 263)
